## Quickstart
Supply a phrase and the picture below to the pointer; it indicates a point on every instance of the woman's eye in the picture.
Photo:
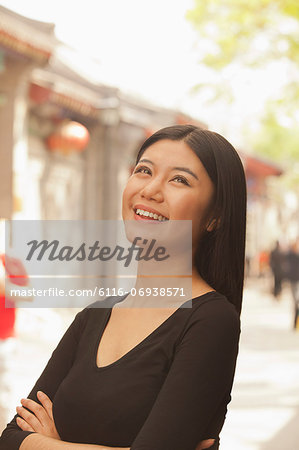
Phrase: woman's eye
(142, 169)
(146, 170)
(183, 180)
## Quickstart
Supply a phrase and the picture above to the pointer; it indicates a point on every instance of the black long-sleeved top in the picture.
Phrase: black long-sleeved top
(168, 393)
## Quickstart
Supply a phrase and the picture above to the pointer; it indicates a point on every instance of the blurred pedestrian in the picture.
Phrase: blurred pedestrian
(276, 264)
(247, 265)
(263, 263)
(292, 264)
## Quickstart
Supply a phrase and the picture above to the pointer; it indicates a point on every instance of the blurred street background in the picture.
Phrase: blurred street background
(82, 85)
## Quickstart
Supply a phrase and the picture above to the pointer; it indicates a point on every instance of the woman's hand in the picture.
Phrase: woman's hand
(40, 419)
(207, 443)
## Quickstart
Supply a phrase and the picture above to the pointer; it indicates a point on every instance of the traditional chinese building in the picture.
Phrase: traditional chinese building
(67, 144)
(263, 215)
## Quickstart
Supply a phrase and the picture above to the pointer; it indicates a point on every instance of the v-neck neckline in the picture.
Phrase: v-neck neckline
(143, 341)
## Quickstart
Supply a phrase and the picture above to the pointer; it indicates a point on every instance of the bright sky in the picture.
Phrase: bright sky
(148, 47)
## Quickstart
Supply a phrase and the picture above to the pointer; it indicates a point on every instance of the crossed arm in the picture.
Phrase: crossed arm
(38, 418)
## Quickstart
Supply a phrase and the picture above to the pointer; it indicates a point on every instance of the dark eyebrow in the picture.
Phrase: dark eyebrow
(183, 169)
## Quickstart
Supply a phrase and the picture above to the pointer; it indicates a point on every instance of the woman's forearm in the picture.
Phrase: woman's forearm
(37, 441)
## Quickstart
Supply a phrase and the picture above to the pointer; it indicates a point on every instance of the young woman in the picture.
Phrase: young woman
(154, 378)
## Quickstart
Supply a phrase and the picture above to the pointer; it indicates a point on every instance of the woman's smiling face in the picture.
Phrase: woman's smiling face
(170, 181)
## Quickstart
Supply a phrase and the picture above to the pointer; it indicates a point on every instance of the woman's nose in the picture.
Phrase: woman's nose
(152, 190)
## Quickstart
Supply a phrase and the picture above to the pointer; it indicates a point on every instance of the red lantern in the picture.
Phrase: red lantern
(39, 94)
(69, 136)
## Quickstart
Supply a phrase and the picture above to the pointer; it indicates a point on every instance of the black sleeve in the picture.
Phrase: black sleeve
(198, 383)
(55, 371)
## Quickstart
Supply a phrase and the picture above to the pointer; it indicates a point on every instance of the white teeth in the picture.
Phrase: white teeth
(141, 212)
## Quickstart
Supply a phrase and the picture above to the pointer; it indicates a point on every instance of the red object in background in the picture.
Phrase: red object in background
(148, 132)
(39, 94)
(69, 136)
(17, 274)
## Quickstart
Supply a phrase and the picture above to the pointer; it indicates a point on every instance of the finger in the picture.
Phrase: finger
(24, 425)
(207, 443)
(29, 418)
(46, 402)
(37, 409)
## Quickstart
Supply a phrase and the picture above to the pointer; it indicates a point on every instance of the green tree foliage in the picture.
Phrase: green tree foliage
(250, 31)
(256, 33)
(277, 140)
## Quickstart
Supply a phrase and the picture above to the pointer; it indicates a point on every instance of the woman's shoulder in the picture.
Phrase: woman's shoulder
(214, 310)
(212, 323)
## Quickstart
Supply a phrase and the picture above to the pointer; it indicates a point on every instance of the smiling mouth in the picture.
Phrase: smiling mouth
(141, 214)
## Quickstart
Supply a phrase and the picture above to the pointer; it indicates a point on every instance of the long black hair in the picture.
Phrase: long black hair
(220, 254)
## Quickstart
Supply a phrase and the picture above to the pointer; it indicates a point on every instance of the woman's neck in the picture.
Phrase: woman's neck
(162, 291)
